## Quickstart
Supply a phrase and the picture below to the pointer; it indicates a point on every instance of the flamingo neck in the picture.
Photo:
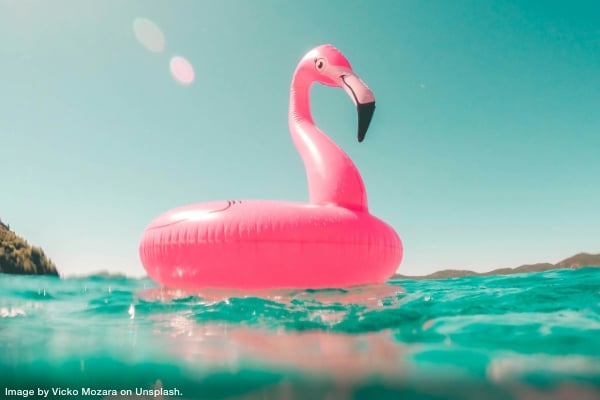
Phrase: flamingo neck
(332, 176)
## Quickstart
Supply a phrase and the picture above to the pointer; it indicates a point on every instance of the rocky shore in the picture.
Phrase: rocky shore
(19, 257)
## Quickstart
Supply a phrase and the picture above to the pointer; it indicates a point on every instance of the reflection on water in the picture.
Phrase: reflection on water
(372, 296)
(316, 352)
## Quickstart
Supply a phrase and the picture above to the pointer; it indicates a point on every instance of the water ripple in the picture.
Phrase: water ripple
(517, 336)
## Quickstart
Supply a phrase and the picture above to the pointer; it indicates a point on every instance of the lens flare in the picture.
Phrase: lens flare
(182, 70)
(149, 35)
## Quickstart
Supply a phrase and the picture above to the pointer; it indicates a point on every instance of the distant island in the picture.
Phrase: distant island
(19, 257)
(576, 261)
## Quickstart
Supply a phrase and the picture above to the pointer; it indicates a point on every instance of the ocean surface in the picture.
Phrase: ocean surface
(526, 336)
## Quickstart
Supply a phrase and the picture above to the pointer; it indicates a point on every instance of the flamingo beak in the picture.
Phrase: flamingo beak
(365, 113)
(364, 100)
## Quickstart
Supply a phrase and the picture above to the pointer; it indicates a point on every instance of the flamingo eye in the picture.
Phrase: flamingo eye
(320, 64)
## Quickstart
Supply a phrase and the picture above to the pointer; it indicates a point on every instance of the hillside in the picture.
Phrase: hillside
(19, 257)
(576, 261)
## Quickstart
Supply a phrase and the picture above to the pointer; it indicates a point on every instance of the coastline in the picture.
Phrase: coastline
(19, 257)
(579, 260)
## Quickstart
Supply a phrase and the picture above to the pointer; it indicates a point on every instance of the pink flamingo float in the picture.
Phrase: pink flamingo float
(331, 242)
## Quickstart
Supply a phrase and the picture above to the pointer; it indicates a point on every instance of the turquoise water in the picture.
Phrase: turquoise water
(527, 336)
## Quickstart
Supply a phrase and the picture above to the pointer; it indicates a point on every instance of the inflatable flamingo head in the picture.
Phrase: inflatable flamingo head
(327, 65)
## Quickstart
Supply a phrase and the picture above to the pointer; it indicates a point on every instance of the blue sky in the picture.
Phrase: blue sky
(483, 151)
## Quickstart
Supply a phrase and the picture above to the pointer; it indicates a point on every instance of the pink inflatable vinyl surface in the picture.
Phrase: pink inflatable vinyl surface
(332, 241)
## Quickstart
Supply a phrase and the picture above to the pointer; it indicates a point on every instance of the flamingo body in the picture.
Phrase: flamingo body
(258, 244)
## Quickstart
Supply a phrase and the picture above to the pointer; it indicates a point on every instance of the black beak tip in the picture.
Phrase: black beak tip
(365, 114)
